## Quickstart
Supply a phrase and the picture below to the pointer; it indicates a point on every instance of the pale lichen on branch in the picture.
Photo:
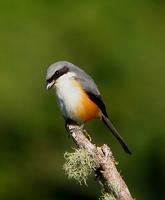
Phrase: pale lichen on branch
(87, 158)
(79, 165)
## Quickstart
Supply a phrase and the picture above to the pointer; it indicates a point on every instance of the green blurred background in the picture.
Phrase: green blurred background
(121, 44)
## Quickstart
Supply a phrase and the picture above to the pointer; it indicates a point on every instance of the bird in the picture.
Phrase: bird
(78, 96)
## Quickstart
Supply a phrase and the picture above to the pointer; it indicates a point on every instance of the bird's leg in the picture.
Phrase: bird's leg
(71, 122)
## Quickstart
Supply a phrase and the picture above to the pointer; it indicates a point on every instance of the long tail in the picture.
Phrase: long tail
(109, 124)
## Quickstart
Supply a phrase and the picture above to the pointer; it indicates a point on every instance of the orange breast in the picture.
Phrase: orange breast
(86, 109)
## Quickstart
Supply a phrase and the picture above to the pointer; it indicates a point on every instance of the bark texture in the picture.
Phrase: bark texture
(105, 163)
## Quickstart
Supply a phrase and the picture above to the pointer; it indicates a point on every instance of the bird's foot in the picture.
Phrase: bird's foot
(87, 135)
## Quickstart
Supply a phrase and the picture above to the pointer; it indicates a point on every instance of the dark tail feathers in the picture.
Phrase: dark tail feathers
(109, 124)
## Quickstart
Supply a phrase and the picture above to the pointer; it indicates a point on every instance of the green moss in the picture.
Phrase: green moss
(79, 165)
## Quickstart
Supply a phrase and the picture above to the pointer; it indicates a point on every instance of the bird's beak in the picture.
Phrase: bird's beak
(49, 85)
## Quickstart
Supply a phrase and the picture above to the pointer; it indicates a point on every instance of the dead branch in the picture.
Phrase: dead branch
(105, 164)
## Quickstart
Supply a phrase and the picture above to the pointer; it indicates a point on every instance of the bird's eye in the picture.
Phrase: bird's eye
(57, 73)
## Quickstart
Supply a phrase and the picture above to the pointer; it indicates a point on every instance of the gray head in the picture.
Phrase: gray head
(60, 68)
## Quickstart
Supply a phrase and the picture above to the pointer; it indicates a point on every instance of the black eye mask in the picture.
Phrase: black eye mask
(58, 73)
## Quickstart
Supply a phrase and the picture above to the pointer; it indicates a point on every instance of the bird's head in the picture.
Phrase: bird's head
(58, 69)
(69, 70)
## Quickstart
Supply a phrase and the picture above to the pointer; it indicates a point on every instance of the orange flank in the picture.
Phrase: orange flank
(86, 109)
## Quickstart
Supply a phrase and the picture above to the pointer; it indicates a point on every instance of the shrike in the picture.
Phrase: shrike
(78, 96)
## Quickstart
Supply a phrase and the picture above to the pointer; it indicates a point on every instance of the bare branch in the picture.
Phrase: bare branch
(105, 164)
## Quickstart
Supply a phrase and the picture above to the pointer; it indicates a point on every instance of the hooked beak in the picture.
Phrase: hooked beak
(50, 85)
